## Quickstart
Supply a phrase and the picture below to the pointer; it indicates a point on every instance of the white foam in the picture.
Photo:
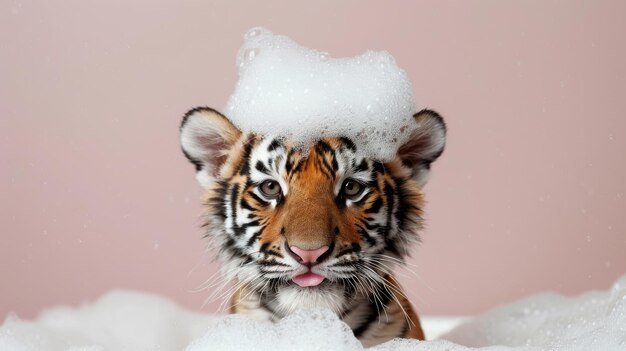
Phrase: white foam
(124, 320)
(120, 320)
(592, 321)
(287, 90)
(314, 329)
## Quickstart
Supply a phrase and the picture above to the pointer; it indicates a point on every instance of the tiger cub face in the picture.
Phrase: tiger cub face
(308, 227)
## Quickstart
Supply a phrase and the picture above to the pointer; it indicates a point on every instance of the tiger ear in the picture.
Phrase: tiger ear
(205, 137)
(425, 144)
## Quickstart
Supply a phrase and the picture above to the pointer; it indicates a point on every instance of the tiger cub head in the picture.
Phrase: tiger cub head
(310, 226)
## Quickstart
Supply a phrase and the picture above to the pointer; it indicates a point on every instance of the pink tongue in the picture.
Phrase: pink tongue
(308, 279)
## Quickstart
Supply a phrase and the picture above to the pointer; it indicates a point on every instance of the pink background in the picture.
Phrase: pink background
(530, 194)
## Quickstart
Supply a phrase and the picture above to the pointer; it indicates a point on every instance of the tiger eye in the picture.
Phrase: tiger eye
(270, 189)
(352, 188)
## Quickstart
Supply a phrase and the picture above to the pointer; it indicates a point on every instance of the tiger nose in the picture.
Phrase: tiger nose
(307, 256)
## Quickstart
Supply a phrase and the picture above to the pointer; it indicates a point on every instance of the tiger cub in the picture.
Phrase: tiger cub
(317, 227)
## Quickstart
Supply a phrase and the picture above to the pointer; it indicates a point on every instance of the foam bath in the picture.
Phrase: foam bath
(124, 320)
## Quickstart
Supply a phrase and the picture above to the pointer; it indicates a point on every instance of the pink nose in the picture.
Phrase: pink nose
(308, 256)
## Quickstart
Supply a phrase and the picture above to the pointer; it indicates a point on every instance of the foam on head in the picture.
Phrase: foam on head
(287, 90)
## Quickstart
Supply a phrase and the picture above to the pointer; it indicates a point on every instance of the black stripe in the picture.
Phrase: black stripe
(233, 202)
(217, 201)
(405, 329)
(373, 226)
(261, 168)
(275, 144)
(389, 194)
(348, 294)
(377, 305)
(299, 166)
(245, 157)
(344, 264)
(235, 252)
(239, 230)
(361, 167)
(376, 205)
(274, 253)
(253, 223)
(265, 249)
(245, 204)
(355, 248)
(335, 164)
(390, 245)
(326, 168)
(403, 205)
(258, 199)
(254, 237)
(348, 143)
(272, 263)
(323, 147)
(289, 162)
(370, 240)
(379, 167)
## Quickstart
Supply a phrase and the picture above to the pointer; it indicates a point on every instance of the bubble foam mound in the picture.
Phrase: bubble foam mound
(304, 330)
(290, 91)
(124, 320)
(592, 321)
(121, 320)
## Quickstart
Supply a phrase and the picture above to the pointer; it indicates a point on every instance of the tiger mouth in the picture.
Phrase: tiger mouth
(308, 279)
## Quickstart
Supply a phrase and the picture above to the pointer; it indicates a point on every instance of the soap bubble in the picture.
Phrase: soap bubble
(255, 32)
(249, 55)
